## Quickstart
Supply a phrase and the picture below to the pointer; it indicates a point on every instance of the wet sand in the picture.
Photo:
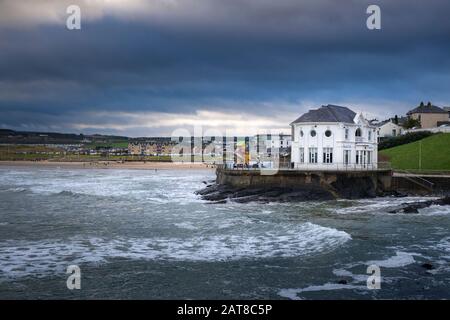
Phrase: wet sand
(112, 165)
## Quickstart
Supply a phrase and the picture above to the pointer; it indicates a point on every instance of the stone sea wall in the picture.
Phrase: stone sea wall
(441, 185)
(289, 185)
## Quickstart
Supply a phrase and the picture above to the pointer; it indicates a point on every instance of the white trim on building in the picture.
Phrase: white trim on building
(334, 143)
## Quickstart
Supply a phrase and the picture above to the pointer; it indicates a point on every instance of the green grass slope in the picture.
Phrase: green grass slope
(435, 154)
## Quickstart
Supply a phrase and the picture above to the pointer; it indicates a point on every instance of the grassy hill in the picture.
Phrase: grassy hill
(435, 154)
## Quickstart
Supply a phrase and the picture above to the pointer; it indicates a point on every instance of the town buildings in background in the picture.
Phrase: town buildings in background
(425, 117)
(329, 135)
(391, 127)
(429, 115)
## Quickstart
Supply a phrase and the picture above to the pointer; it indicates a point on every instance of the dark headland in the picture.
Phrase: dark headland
(244, 186)
(289, 185)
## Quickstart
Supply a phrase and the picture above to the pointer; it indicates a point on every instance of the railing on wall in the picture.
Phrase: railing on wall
(380, 166)
(419, 180)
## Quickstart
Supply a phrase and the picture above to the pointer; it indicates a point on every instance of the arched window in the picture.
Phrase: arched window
(328, 133)
(358, 132)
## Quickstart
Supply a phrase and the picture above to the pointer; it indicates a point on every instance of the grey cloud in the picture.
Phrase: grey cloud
(183, 56)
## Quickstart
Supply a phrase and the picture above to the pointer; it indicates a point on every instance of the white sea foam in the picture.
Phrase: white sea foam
(346, 273)
(186, 225)
(376, 205)
(142, 185)
(293, 294)
(290, 294)
(435, 210)
(24, 258)
(15, 189)
(444, 245)
(400, 259)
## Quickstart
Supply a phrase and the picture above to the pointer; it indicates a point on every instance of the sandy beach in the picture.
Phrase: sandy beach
(112, 165)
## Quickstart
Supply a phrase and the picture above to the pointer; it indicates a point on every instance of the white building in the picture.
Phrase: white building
(280, 141)
(388, 128)
(268, 144)
(333, 137)
(270, 150)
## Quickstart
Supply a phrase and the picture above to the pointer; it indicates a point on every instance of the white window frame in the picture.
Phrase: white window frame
(347, 157)
(328, 155)
(313, 155)
(362, 157)
(358, 157)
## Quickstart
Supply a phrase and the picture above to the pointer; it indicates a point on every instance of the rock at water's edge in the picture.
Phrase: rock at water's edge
(415, 206)
(244, 195)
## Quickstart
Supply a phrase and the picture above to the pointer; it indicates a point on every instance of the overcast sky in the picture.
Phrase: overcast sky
(148, 67)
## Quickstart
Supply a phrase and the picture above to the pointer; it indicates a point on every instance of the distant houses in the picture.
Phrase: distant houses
(429, 115)
(423, 117)
(156, 147)
(391, 128)
(448, 110)
(270, 144)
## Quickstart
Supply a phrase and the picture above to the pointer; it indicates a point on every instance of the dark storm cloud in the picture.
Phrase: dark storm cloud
(222, 55)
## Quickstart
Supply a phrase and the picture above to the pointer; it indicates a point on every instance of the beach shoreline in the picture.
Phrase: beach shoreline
(109, 165)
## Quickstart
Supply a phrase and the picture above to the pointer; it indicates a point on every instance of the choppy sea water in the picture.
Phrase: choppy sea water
(145, 235)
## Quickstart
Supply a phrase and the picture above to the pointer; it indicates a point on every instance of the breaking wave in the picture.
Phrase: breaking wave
(25, 258)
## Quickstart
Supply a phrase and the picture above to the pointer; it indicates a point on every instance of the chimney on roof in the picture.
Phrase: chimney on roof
(429, 104)
(422, 104)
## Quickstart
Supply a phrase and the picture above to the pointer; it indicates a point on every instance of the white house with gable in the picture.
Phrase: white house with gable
(389, 128)
(333, 137)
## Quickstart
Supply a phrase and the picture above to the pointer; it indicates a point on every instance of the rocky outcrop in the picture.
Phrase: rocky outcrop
(221, 193)
(415, 206)
(293, 185)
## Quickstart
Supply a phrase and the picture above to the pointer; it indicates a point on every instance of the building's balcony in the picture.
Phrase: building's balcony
(341, 166)
(380, 166)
